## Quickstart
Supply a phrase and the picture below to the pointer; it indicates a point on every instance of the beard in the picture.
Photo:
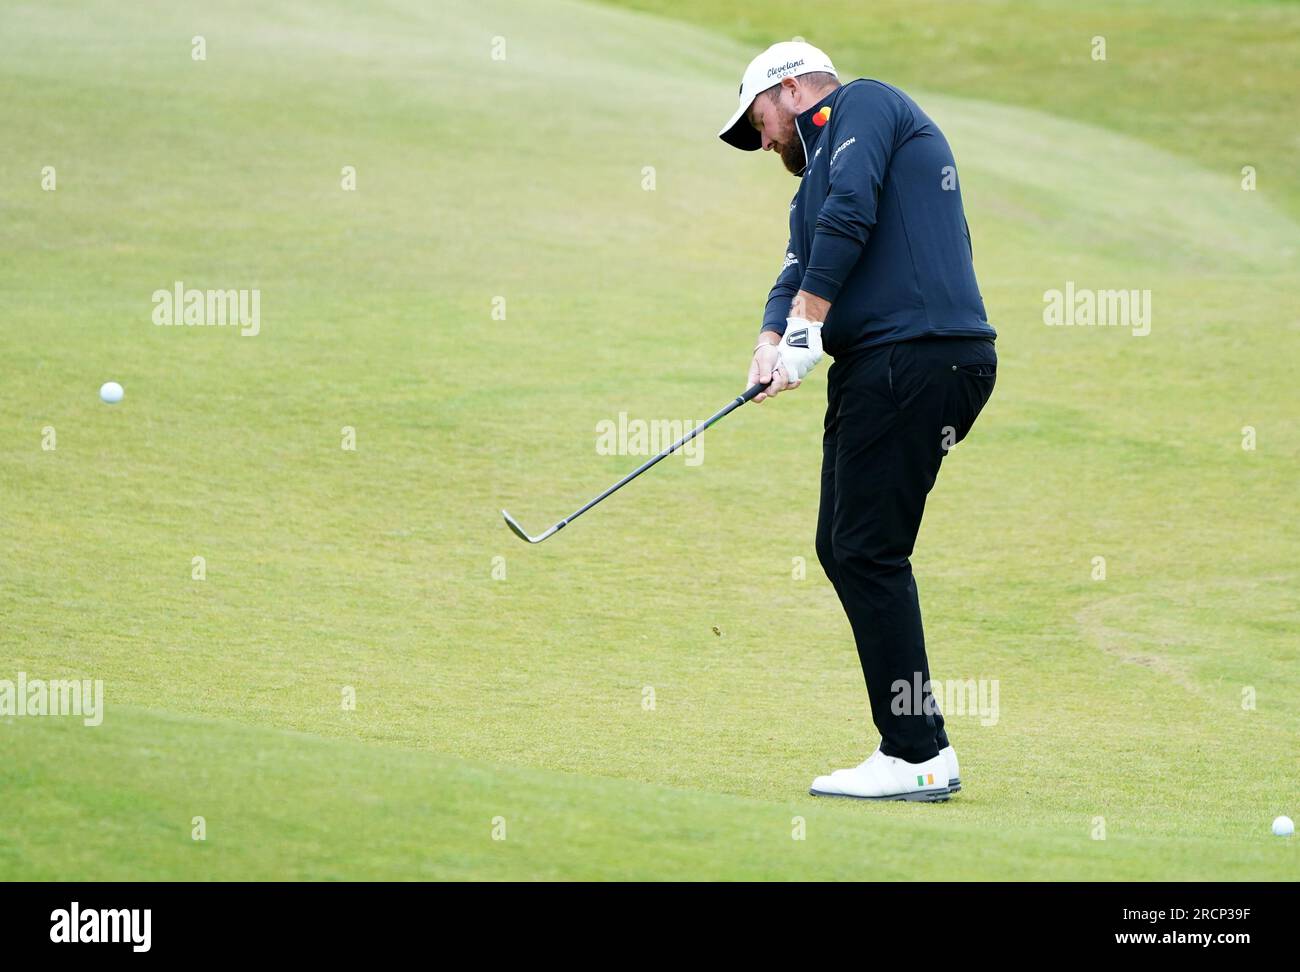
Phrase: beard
(792, 156)
(790, 148)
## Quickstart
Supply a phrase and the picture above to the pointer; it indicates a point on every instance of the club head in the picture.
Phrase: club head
(518, 531)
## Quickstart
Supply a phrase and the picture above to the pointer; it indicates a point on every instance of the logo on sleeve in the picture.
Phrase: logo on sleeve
(790, 260)
(840, 148)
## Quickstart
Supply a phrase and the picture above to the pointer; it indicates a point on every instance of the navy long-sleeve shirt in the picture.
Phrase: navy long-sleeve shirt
(877, 227)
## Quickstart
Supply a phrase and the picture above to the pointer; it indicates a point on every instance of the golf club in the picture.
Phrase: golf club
(513, 524)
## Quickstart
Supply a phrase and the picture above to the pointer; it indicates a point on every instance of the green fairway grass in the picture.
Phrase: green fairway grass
(649, 694)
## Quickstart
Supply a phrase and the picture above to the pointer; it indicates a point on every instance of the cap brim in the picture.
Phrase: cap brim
(739, 133)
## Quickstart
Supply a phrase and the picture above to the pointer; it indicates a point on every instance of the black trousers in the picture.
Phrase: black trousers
(892, 414)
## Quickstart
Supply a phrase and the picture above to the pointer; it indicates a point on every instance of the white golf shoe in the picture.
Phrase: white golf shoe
(954, 771)
(882, 777)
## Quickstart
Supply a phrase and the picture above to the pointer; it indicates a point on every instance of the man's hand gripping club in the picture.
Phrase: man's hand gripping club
(785, 361)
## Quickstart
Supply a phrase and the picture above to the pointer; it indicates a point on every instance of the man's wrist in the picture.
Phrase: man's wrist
(810, 307)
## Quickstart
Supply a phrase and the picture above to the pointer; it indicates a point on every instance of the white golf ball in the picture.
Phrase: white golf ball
(1283, 827)
(111, 392)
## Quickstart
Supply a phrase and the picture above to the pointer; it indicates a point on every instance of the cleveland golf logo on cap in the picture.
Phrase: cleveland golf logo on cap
(787, 66)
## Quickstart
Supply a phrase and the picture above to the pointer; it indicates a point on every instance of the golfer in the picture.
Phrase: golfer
(878, 274)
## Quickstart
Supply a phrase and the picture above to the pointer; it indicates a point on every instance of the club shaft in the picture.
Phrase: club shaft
(731, 406)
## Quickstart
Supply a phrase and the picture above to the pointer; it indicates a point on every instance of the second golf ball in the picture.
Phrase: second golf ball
(111, 392)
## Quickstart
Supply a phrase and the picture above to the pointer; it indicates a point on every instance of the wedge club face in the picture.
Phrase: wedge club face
(518, 531)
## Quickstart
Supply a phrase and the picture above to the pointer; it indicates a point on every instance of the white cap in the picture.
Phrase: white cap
(789, 59)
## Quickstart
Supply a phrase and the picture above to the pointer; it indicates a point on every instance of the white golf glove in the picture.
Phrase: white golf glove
(800, 348)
